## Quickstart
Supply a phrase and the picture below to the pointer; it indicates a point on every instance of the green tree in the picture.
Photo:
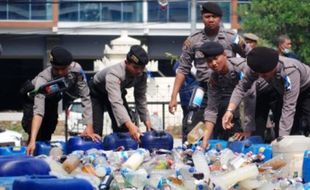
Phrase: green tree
(271, 18)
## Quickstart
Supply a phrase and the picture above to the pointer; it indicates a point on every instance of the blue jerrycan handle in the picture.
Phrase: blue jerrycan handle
(159, 133)
(122, 135)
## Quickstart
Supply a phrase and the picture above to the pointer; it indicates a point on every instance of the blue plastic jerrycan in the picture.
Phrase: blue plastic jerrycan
(50, 183)
(13, 150)
(22, 165)
(217, 144)
(156, 140)
(82, 143)
(241, 146)
(44, 147)
(264, 149)
(7, 182)
(306, 167)
(116, 140)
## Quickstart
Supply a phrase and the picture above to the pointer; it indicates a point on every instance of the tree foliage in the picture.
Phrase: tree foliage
(271, 18)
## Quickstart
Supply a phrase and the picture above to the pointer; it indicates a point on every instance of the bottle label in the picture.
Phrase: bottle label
(198, 97)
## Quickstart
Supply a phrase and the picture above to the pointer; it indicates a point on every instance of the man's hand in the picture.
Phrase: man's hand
(30, 148)
(227, 120)
(172, 105)
(242, 135)
(89, 132)
(133, 131)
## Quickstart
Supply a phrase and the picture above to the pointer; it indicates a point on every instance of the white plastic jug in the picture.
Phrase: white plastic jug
(292, 148)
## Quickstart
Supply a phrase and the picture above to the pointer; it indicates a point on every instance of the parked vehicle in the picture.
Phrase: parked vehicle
(10, 138)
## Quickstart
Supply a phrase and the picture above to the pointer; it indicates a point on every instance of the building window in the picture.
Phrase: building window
(179, 11)
(111, 12)
(90, 11)
(3, 10)
(19, 10)
(132, 11)
(40, 10)
(68, 11)
(25, 10)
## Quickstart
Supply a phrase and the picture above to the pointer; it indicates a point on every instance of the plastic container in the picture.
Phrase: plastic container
(115, 140)
(242, 146)
(217, 144)
(71, 163)
(306, 167)
(44, 147)
(292, 148)
(156, 140)
(201, 164)
(13, 150)
(229, 179)
(22, 166)
(7, 182)
(82, 143)
(265, 149)
(196, 133)
(135, 160)
(50, 183)
(157, 122)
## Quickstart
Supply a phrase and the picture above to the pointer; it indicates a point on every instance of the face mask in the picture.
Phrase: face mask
(286, 51)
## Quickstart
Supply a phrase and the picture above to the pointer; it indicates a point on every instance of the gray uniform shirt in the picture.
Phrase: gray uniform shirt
(112, 81)
(77, 86)
(221, 87)
(292, 77)
(189, 54)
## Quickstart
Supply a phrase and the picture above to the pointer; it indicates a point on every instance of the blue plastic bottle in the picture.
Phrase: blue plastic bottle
(115, 140)
(156, 140)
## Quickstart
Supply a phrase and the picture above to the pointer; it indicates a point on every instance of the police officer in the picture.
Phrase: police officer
(285, 46)
(288, 76)
(108, 90)
(251, 39)
(41, 112)
(224, 75)
(211, 15)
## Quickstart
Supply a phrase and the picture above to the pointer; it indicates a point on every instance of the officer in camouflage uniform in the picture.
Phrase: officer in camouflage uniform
(225, 74)
(108, 90)
(41, 111)
(211, 15)
(289, 77)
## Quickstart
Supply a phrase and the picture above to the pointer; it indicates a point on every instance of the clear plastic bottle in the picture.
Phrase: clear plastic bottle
(56, 153)
(188, 180)
(157, 123)
(136, 178)
(196, 133)
(201, 164)
(71, 163)
(135, 160)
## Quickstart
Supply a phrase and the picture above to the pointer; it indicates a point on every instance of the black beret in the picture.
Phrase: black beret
(60, 56)
(262, 59)
(211, 49)
(137, 55)
(211, 7)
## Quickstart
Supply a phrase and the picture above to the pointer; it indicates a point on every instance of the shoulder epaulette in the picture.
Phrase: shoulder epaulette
(236, 61)
(228, 31)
